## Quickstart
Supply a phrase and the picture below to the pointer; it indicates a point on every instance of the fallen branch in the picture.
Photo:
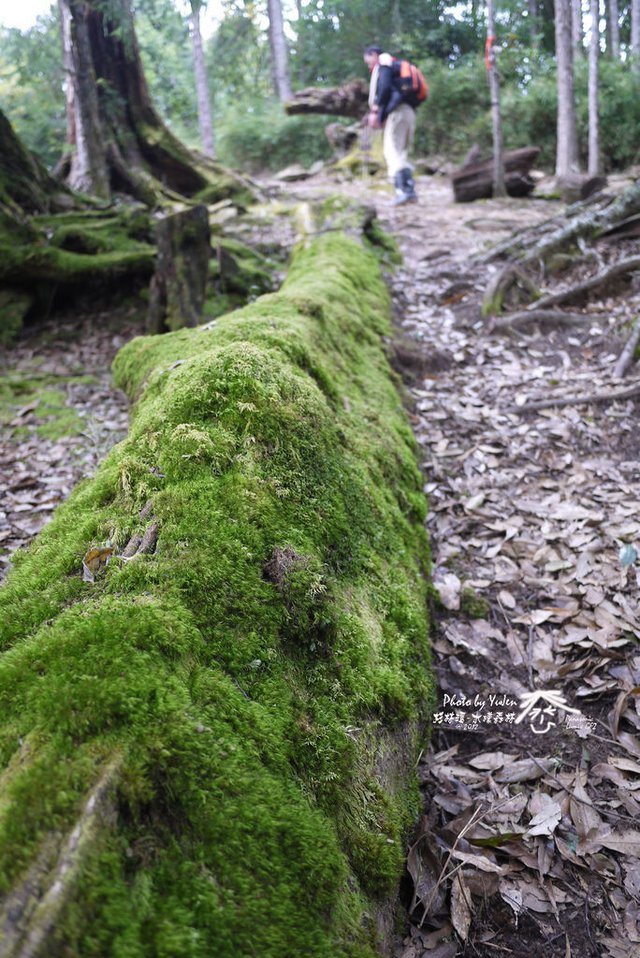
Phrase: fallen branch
(584, 399)
(626, 356)
(526, 316)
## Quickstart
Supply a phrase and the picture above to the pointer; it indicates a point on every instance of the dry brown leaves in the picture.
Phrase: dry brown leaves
(37, 473)
(530, 835)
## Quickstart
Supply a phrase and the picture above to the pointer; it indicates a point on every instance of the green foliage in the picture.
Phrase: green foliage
(165, 49)
(241, 708)
(450, 87)
(262, 137)
(31, 79)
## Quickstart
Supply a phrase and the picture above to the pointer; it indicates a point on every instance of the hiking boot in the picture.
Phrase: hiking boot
(405, 188)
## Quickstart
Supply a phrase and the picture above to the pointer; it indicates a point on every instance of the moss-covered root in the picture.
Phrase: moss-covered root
(206, 740)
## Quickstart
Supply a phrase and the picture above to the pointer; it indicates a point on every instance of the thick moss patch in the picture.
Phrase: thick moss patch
(247, 678)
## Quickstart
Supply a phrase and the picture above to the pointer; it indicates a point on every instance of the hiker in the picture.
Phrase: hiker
(396, 88)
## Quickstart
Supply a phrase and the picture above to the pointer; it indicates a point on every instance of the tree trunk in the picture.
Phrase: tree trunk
(594, 120)
(499, 188)
(279, 53)
(202, 87)
(613, 29)
(567, 148)
(577, 33)
(88, 172)
(635, 33)
(126, 135)
(534, 23)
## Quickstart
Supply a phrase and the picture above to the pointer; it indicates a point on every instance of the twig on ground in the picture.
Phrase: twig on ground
(626, 356)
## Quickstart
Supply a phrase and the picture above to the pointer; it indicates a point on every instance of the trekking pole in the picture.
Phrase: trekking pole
(365, 147)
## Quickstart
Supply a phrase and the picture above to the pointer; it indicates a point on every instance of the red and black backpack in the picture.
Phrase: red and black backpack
(411, 82)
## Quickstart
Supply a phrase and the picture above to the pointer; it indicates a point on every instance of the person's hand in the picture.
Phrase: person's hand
(374, 121)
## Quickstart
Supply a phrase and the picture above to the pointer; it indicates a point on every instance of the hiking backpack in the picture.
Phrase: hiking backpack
(412, 84)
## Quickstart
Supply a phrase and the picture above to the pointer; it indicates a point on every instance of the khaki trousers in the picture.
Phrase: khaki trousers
(398, 138)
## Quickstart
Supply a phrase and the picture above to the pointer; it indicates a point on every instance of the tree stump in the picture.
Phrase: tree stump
(474, 181)
(178, 286)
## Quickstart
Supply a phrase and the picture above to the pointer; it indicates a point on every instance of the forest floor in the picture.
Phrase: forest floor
(528, 839)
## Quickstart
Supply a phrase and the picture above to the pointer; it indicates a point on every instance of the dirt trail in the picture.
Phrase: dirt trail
(533, 520)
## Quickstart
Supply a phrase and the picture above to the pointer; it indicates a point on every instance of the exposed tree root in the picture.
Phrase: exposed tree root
(526, 316)
(32, 910)
(626, 356)
(597, 282)
(583, 399)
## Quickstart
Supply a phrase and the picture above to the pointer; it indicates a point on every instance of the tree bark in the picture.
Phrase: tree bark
(613, 29)
(577, 32)
(88, 172)
(534, 23)
(594, 165)
(279, 52)
(178, 287)
(635, 33)
(108, 69)
(499, 188)
(202, 87)
(567, 148)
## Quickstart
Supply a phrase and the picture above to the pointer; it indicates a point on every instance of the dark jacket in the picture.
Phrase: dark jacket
(389, 96)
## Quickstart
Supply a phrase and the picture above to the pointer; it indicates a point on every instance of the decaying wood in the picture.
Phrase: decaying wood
(350, 99)
(29, 915)
(626, 356)
(584, 399)
(178, 287)
(474, 181)
(552, 317)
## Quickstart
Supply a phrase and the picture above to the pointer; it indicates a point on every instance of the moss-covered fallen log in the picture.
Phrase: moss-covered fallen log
(208, 747)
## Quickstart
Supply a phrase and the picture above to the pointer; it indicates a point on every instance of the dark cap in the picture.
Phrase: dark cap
(373, 48)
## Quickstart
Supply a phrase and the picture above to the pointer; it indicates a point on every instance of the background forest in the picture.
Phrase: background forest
(324, 43)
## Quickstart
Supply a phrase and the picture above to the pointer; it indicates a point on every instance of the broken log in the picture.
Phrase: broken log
(627, 355)
(178, 286)
(474, 181)
(350, 99)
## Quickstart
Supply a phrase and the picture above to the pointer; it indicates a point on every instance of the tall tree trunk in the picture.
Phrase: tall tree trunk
(613, 29)
(499, 188)
(577, 32)
(635, 33)
(88, 172)
(279, 53)
(128, 138)
(534, 23)
(594, 119)
(567, 147)
(202, 87)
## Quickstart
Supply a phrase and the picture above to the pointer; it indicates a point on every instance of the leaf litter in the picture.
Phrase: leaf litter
(59, 437)
(532, 836)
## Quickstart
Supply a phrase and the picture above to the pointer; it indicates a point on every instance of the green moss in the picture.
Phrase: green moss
(14, 306)
(46, 398)
(472, 604)
(249, 698)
